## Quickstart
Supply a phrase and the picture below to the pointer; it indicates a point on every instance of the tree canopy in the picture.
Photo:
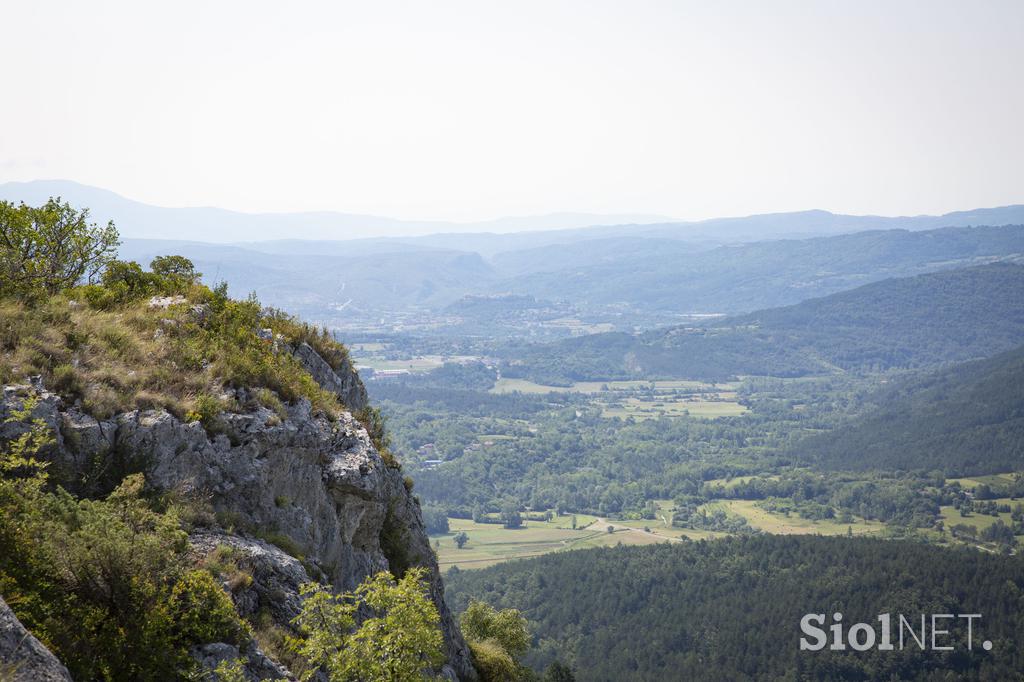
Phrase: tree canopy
(399, 641)
(46, 249)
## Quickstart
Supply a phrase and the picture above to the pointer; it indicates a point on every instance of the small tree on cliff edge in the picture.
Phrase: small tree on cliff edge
(399, 641)
(47, 249)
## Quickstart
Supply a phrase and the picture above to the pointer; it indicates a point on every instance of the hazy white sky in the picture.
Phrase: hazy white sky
(476, 109)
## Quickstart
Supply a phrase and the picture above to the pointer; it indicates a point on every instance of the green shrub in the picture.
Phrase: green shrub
(96, 297)
(319, 339)
(76, 339)
(176, 274)
(127, 281)
(222, 563)
(230, 671)
(106, 584)
(397, 641)
(496, 639)
(206, 409)
(493, 663)
(120, 343)
(65, 381)
(203, 612)
(269, 400)
(282, 542)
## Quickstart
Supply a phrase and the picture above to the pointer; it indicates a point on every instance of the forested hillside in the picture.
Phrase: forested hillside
(902, 323)
(672, 276)
(730, 609)
(965, 420)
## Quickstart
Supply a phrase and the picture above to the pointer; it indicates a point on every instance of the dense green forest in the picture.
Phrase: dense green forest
(903, 323)
(730, 609)
(968, 419)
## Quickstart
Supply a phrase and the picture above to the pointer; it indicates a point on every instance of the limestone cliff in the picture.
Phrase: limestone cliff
(316, 487)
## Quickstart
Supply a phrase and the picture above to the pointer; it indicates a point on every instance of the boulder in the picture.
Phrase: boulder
(23, 658)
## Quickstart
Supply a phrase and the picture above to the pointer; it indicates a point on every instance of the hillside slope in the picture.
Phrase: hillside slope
(731, 609)
(920, 321)
(672, 276)
(965, 420)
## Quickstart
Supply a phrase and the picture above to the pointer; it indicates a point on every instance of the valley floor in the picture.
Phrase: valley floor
(490, 544)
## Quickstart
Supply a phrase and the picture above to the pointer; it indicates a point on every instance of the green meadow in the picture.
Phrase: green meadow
(491, 543)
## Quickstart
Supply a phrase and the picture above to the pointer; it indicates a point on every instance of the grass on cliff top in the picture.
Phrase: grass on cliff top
(117, 357)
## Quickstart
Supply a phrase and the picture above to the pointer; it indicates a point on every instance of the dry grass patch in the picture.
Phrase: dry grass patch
(130, 356)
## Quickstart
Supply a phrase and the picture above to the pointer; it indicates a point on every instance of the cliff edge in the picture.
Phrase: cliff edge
(293, 494)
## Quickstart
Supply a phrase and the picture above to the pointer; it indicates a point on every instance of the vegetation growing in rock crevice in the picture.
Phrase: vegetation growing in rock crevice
(373, 421)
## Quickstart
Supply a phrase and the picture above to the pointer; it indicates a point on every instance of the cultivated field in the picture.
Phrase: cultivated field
(643, 399)
(491, 544)
(667, 407)
(992, 480)
(780, 524)
(658, 530)
(951, 516)
(505, 385)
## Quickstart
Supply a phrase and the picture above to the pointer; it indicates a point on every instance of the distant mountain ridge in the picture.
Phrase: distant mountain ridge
(655, 279)
(143, 221)
(626, 276)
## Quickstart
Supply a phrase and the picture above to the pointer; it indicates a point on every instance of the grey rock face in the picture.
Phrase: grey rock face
(305, 482)
(257, 666)
(345, 382)
(276, 576)
(23, 658)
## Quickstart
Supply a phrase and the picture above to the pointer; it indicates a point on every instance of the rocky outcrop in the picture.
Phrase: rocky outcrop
(311, 486)
(23, 658)
(257, 665)
(345, 382)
